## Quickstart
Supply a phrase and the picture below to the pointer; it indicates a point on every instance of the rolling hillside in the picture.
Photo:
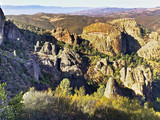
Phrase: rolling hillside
(74, 23)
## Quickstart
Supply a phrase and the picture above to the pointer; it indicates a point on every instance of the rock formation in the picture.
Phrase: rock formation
(49, 48)
(11, 32)
(112, 89)
(151, 50)
(104, 37)
(33, 69)
(154, 36)
(2, 23)
(62, 35)
(131, 27)
(138, 79)
(118, 36)
(8, 31)
(62, 64)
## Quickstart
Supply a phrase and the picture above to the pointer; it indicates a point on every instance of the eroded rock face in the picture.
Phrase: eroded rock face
(11, 32)
(150, 50)
(62, 64)
(14, 73)
(2, 23)
(118, 36)
(154, 36)
(70, 62)
(105, 38)
(33, 69)
(138, 79)
(112, 89)
(62, 35)
(49, 48)
(130, 27)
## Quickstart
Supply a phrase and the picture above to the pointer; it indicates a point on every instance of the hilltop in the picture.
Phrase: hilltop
(147, 17)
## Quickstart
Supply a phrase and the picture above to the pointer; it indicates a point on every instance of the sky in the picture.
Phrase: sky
(86, 3)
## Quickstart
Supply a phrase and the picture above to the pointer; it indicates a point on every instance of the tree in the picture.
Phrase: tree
(9, 109)
(65, 86)
(100, 91)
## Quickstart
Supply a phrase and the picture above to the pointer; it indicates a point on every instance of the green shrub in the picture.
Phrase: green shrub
(10, 109)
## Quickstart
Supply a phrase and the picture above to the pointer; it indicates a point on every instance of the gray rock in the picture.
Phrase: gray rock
(11, 32)
(33, 69)
(49, 49)
(2, 23)
(69, 62)
(112, 89)
(110, 71)
(99, 65)
(150, 50)
(138, 79)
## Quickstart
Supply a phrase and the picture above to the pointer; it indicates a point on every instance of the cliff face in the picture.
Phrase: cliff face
(60, 63)
(2, 23)
(11, 32)
(118, 36)
(137, 79)
(150, 51)
(105, 38)
(130, 27)
(8, 31)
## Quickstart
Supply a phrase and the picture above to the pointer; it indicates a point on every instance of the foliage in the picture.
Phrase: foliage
(65, 87)
(9, 109)
(100, 91)
(54, 104)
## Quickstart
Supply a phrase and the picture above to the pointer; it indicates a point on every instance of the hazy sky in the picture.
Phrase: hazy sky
(85, 3)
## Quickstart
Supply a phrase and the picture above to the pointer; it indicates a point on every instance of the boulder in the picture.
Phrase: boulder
(69, 62)
(110, 71)
(112, 89)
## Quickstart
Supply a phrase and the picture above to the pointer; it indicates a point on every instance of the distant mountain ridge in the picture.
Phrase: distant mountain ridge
(33, 9)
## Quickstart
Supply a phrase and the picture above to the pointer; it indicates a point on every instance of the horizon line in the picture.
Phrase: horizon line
(78, 6)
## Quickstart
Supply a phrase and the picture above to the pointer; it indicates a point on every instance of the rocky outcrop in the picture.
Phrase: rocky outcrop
(151, 50)
(62, 35)
(154, 36)
(64, 64)
(70, 62)
(104, 37)
(2, 23)
(112, 89)
(33, 69)
(11, 32)
(131, 27)
(138, 79)
(13, 72)
(118, 36)
(49, 49)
